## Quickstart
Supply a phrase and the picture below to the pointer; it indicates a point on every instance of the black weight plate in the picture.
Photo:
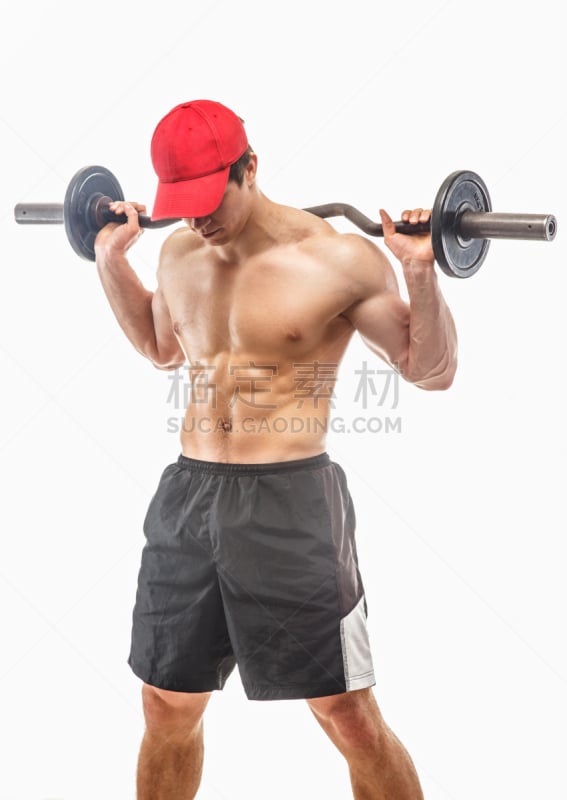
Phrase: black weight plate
(86, 186)
(460, 191)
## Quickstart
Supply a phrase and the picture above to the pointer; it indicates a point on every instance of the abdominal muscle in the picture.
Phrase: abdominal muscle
(235, 421)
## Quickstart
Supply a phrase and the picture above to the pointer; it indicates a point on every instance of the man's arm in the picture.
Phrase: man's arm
(142, 315)
(419, 339)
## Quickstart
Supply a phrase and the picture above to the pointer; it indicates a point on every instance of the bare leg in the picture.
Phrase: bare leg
(380, 767)
(171, 756)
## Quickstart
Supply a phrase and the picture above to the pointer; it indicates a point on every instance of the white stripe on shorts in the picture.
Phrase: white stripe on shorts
(357, 659)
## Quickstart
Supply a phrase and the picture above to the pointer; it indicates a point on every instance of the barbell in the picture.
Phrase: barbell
(461, 225)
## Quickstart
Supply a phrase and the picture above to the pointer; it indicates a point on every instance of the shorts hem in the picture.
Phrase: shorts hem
(303, 692)
(361, 682)
(206, 683)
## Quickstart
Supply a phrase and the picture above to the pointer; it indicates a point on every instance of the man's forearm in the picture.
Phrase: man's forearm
(130, 301)
(432, 356)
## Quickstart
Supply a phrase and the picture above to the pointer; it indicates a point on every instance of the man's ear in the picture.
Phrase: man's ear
(251, 169)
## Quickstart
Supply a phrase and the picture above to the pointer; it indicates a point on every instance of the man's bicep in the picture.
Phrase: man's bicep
(169, 352)
(383, 323)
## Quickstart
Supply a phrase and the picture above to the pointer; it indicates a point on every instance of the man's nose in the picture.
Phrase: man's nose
(198, 223)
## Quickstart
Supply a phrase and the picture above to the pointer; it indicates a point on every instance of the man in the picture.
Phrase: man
(250, 556)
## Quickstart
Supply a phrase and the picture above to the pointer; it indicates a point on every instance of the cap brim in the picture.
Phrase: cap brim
(195, 198)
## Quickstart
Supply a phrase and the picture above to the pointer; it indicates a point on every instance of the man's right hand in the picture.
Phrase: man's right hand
(414, 248)
(116, 238)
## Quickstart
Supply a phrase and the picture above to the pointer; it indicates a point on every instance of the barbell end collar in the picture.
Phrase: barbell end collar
(551, 227)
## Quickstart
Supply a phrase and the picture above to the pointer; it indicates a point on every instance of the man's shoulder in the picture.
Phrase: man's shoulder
(313, 232)
(182, 239)
(180, 245)
(348, 263)
(349, 253)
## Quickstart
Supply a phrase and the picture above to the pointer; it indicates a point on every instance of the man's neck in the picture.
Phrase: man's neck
(260, 232)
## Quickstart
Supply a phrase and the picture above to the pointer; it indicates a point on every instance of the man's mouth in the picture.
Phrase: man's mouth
(211, 233)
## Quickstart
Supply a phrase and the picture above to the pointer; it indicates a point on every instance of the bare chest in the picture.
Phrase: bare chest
(270, 309)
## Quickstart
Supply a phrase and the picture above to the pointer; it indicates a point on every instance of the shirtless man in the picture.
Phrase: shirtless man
(250, 556)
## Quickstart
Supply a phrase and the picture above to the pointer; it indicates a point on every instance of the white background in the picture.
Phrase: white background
(461, 515)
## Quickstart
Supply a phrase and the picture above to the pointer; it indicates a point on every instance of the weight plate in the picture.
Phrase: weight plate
(87, 186)
(457, 256)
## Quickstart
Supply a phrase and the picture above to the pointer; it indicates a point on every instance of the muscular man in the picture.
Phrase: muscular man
(250, 556)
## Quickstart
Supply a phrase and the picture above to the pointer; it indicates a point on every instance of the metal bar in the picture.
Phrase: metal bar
(39, 213)
(494, 225)
(52, 214)
(470, 224)
(148, 222)
(362, 221)
(104, 215)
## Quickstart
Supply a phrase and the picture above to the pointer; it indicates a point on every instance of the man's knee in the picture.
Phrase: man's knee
(353, 719)
(173, 711)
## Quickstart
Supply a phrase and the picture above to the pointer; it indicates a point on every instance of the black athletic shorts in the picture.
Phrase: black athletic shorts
(254, 565)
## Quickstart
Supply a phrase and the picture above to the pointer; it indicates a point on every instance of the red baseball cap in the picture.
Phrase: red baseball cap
(192, 150)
